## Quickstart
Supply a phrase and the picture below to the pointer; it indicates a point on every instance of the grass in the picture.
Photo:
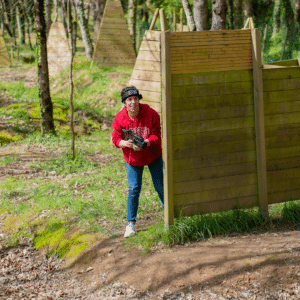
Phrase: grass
(68, 203)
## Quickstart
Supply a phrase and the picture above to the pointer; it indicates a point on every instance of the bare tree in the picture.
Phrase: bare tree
(47, 123)
(84, 29)
(219, 10)
(189, 14)
(201, 14)
(48, 8)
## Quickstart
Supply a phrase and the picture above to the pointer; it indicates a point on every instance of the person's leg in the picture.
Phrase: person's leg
(156, 170)
(134, 176)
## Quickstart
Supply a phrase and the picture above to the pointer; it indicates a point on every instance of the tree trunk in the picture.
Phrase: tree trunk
(201, 14)
(238, 9)
(48, 8)
(27, 19)
(219, 10)
(84, 29)
(248, 10)
(70, 30)
(63, 14)
(230, 14)
(132, 21)
(297, 11)
(47, 123)
(189, 15)
(5, 20)
(21, 23)
(98, 9)
(276, 16)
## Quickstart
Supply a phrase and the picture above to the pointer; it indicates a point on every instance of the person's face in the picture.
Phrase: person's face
(132, 104)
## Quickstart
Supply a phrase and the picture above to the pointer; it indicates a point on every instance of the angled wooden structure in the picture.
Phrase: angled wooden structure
(4, 57)
(58, 49)
(114, 46)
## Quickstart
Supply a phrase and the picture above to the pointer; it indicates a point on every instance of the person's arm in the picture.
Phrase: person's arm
(155, 134)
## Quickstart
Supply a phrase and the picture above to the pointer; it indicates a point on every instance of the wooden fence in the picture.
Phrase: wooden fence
(230, 127)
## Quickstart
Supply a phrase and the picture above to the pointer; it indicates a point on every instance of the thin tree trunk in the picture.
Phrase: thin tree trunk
(70, 30)
(27, 25)
(132, 21)
(47, 123)
(48, 8)
(84, 29)
(297, 11)
(238, 9)
(5, 20)
(219, 9)
(201, 14)
(189, 15)
(230, 14)
(63, 8)
(276, 16)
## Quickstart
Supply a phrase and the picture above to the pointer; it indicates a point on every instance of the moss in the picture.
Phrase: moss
(57, 238)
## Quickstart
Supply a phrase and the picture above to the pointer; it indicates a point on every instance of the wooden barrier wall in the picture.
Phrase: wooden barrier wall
(212, 122)
(4, 57)
(282, 130)
(146, 75)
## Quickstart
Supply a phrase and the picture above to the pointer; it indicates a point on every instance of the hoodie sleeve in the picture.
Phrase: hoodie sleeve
(117, 133)
(155, 132)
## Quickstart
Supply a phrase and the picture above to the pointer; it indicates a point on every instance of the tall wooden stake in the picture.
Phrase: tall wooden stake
(71, 80)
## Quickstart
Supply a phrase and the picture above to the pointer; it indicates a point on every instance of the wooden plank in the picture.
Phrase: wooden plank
(114, 31)
(279, 140)
(283, 174)
(214, 172)
(151, 35)
(221, 50)
(119, 54)
(207, 102)
(150, 45)
(214, 160)
(211, 68)
(147, 85)
(283, 130)
(215, 33)
(216, 206)
(151, 96)
(155, 105)
(147, 65)
(167, 129)
(209, 78)
(191, 91)
(215, 148)
(286, 73)
(206, 197)
(209, 114)
(146, 75)
(106, 44)
(284, 196)
(283, 185)
(113, 37)
(113, 64)
(215, 183)
(210, 55)
(149, 55)
(210, 137)
(282, 107)
(259, 123)
(209, 63)
(207, 42)
(278, 119)
(288, 63)
(281, 96)
(211, 125)
(98, 57)
(283, 163)
(282, 152)
(282, 84)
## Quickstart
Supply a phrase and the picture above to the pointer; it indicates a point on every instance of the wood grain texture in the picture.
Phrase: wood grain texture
(285, 73)
(284, 196)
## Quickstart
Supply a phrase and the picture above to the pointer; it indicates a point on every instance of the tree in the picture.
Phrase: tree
(219, 9)
(84, 29)
(98, 9)
(238, 14)
(132, 20)
(189, 14)
(48, 7)
(201, 14)
(47, 123)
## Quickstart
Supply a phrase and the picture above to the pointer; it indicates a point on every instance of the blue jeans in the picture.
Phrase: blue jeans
(134, 176)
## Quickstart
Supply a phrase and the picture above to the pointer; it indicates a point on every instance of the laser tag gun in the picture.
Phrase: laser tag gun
(136, 138)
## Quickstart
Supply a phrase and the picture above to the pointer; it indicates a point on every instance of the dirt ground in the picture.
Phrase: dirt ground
(260, 265)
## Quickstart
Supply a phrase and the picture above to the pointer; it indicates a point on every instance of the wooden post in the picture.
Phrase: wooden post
(174, 19)
(154, 19)
(163, 20)
(259, 123)
(167, 128)
(181, 19)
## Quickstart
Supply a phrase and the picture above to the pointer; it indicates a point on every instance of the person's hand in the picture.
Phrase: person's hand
(136, 148)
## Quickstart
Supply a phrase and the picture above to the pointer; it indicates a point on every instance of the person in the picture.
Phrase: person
(145, 121)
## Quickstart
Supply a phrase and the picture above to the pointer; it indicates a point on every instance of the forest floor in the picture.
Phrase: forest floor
(262, 265)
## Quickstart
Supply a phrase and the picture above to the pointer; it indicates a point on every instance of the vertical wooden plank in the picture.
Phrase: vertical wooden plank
(154, 19)
(181, 19)
(174, 19)
(167, 128)
(163, 20)
(259, 123)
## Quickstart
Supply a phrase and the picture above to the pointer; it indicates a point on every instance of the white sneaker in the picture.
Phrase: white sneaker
(129, 230)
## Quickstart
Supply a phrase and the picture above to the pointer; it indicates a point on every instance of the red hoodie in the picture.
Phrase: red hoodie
(146, 124)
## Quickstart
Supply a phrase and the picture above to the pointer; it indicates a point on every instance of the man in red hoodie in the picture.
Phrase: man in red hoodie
(145, 121)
